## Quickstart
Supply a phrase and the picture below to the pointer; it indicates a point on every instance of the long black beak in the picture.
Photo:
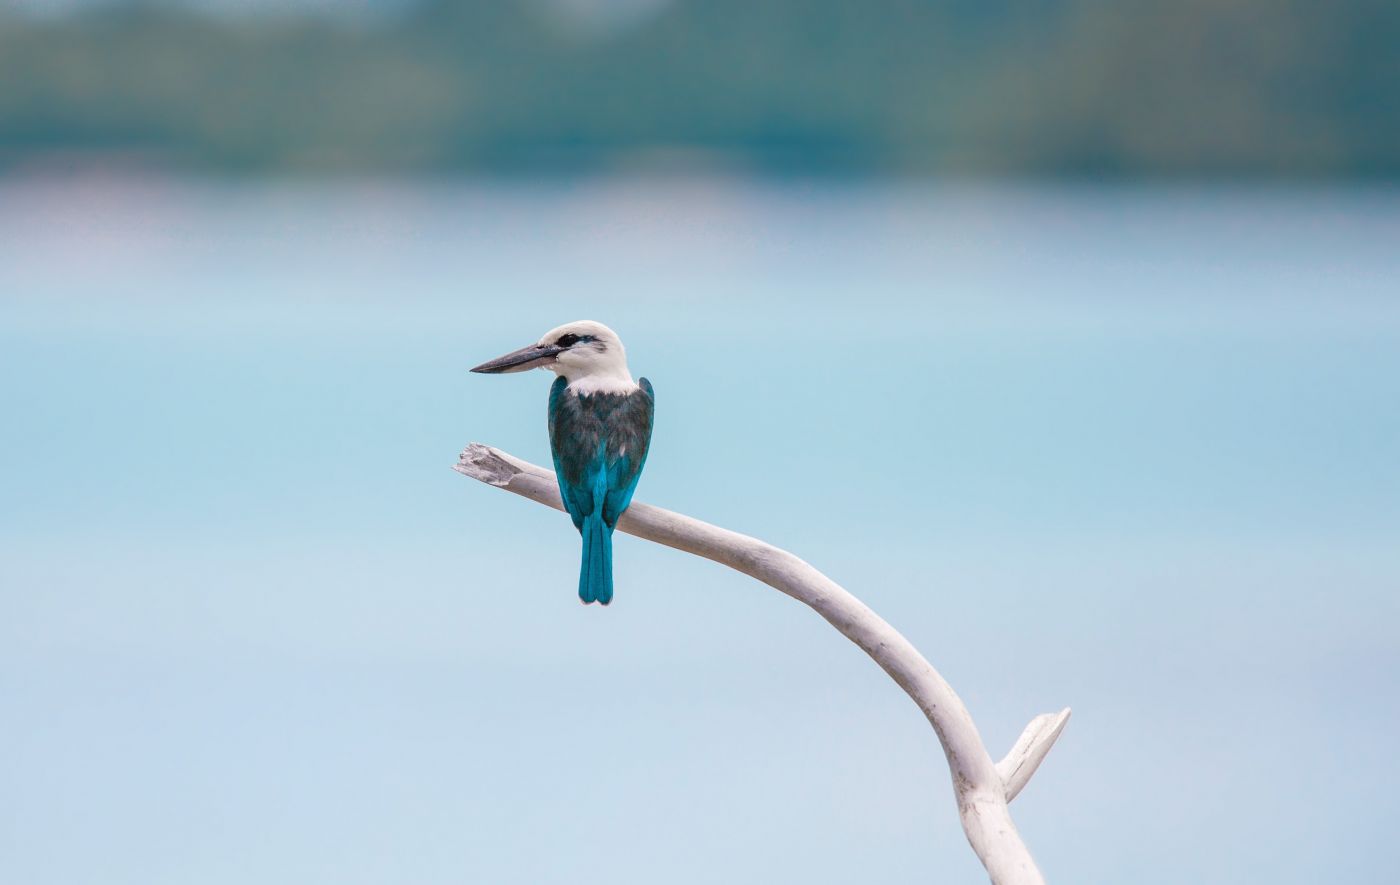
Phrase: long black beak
(520, 360)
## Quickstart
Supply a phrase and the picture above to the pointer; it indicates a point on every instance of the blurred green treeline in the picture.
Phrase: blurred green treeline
(1261, 88)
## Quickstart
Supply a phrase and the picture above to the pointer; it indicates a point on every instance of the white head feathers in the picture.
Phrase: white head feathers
(592, 358)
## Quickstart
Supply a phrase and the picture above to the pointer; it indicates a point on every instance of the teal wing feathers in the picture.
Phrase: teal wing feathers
(624, 466)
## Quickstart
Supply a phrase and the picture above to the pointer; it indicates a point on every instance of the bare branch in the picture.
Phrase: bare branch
(981, 787)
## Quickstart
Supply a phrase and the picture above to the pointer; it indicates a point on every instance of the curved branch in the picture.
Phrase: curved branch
(983, 788)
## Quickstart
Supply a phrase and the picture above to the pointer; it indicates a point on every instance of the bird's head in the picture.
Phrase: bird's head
(576, 351)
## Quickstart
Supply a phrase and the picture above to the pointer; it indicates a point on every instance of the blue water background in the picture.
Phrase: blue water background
(1135, 451)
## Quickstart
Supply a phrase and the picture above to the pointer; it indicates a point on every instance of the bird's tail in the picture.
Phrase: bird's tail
(595, 582)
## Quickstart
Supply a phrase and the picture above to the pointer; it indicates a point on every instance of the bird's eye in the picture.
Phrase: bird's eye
(568, 340)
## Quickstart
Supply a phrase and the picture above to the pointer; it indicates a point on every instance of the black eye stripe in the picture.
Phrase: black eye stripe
(571, 339)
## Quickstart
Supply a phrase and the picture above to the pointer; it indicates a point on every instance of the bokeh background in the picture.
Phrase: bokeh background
(1065, 334)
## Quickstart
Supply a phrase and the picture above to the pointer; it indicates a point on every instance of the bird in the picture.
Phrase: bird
(600, 424)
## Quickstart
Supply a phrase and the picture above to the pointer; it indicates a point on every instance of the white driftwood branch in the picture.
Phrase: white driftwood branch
(983, 788)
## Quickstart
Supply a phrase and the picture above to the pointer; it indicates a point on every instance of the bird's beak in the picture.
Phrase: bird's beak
(520, 360)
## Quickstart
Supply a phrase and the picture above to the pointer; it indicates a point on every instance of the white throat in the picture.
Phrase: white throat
(598, 379)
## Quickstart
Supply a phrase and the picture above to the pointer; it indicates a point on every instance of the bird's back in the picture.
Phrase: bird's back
(600, 443)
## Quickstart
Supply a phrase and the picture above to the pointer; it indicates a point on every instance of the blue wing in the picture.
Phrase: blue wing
(624, 467)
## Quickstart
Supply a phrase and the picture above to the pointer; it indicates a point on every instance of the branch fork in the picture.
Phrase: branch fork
(983, 788)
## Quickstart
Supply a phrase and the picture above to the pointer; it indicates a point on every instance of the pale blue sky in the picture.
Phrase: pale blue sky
(1142, 445)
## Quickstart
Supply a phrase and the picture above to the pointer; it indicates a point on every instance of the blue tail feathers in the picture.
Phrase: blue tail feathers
(595, 582)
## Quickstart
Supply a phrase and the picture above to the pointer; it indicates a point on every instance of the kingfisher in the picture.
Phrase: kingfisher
(599, 433)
